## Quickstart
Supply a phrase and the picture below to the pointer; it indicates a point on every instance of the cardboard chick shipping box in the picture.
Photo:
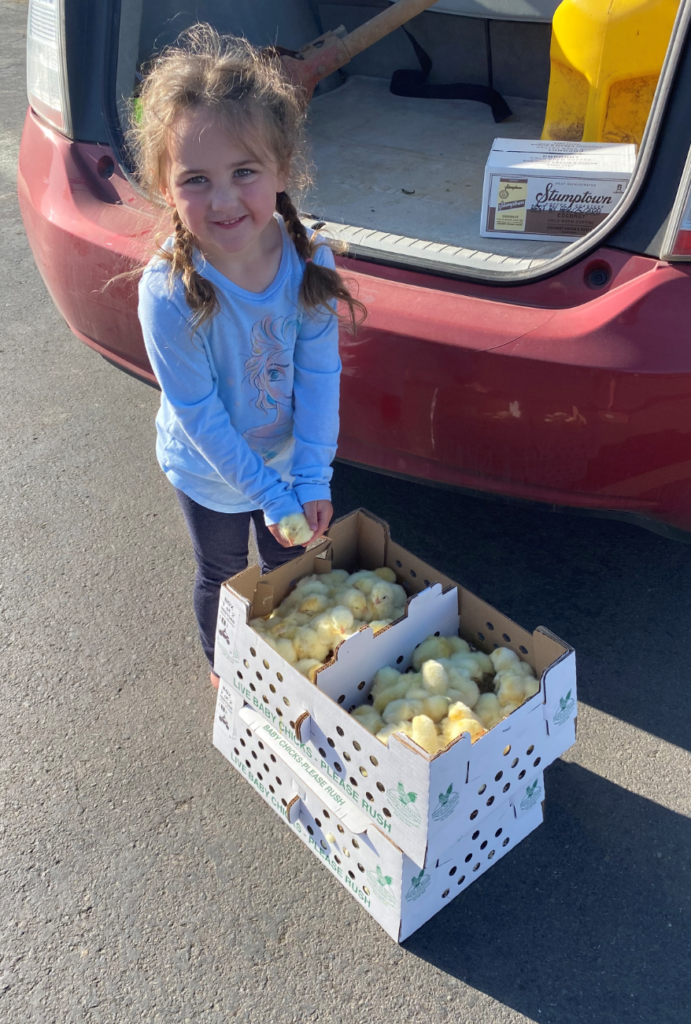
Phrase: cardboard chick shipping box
(547, 190)
(421, 802)
(398, 894)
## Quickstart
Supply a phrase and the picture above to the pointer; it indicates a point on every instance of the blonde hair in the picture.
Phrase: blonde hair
(250, 96)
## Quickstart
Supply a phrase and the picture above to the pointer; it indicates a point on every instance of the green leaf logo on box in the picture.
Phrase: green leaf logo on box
(418, 884)
(447, 804)
(381, 886)
(402, 806)
(533, 793)
(566, 708)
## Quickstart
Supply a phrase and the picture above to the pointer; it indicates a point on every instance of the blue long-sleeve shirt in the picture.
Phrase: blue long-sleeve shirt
(249, 405)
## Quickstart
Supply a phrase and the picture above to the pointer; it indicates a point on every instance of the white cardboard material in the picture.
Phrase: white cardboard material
(422, 803)
(390, 886)
(541, 189)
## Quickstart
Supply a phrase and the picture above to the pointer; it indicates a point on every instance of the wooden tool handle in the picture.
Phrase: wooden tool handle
(381, 25)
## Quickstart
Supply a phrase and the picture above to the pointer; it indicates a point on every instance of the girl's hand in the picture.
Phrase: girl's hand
(318, 515)
(275, 532)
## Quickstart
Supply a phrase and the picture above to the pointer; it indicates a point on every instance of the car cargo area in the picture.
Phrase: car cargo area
(396, 177)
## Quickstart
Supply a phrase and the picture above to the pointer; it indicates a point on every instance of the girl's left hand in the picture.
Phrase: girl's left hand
(318, 515)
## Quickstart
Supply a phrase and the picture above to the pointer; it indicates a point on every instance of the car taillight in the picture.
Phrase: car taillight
(45, 63)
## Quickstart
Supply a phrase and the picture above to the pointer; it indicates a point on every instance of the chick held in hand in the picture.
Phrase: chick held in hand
(295, 529)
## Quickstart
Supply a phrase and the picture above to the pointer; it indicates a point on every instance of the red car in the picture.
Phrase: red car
(554, 372)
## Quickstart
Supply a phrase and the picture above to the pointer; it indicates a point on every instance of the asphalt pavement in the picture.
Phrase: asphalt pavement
(142, 880)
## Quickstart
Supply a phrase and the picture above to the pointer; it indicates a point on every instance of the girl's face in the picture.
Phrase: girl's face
(225, 196)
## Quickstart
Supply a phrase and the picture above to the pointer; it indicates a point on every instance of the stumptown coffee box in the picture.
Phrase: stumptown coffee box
(542, 190)
(397, 893)
(422, 803)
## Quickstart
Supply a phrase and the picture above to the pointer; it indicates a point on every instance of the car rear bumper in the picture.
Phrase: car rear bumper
(547, 392)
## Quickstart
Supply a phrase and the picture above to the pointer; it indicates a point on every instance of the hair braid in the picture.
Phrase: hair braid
(320, 284)
(200, 294)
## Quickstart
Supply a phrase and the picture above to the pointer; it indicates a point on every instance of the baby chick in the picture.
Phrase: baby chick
(368, 718)
(284, 647)
(402, 710)
(434, 678)
(384, 679)
(425, 733)
(354, 600)
(489, 710)
(432, 647)
(504, 659)
(295, 529)
(384, 734)
(308, 645)
(435, 707)
(452, 728)
(510, 687)
(461, 683)
(308, 667)
(386, 574)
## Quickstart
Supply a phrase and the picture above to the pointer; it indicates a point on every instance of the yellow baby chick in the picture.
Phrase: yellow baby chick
(395, 692)
(384, 679)
(312, 604)
(386, 574)
(295, 529)
(460, 711)
(283, 647)
(368, 718)
(308, 667)
(435, 707)
(259, 625)
(432, 647)
(452, 728)
(434, 678)
(384, 734)
(308, 645)
(457, 645)
(376, 625)
(489, 710)
(364, 580)
(354, 600)
(381, 603)
(402, 710)
(510, 687)
(504, 659)
(334, 579)
(471, 665)
(532, 686)
(508, 708)
(459, 682)
(425, 734)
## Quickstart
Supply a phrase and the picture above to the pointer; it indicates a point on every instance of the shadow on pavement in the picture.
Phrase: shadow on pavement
(586, 921)
(619, 594)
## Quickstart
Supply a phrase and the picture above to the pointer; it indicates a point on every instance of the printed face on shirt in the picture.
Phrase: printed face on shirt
(224, 190)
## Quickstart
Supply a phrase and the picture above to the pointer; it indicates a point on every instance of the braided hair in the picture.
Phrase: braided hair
(244, 90)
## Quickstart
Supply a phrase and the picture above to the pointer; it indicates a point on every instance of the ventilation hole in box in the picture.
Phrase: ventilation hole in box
(380, 787)
(266, 767)
(514, 762)
(253, 688)
(523, 650)
(353, 781)
(346, 755)
(254, 755)
(330, 741)
(461, 880)
(265, 663)
(490, 854)
(498, 776)
(469, 857)
(260, 776)
(473, 815)
(322, 752)
(253, 653)
(310, 830)
(370, 797)
(476, 866)
(413, 574)
(506, 637)
(506, 841)
(325, 812)
(242, 742)
(490, 627)
(341, 699)
(482, 789)
(337, 858)
(427, 583)
(292, 726)
(495, 646)
(360, 868)
(453, 870)
(438, 633)
(279, 677)
(365, 889)
(357, 745)
(361, 685)
(265, 698)
(346, 853)
(445, 893)
(374, 760)
(351, 874)
(505, 751)
(536, 762)
(284, 801)
(490, 801)
(259, 676)
(363, 771)
(387, 812)
(521, 775)
(356, 844)
(279, 712)
(498, 833)
(273, 790)
(483, 844)
(260, 744)
(530, 749)
(506, 788)
(273, 758)
(399, 564)
(278, 781)
(246, 663)
(240, 675)
(352, 708)
(237, 752)
(337, 766)
(317, 822)
(323, 843)
(339, 730)
(340, 828)
(481, 636)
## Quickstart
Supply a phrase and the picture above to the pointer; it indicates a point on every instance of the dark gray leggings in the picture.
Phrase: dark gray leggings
(221, 543)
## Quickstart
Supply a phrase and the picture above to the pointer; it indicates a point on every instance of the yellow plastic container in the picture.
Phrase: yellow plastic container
(606, 57)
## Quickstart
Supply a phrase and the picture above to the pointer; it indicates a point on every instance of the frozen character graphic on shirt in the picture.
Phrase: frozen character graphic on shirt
(270, 371)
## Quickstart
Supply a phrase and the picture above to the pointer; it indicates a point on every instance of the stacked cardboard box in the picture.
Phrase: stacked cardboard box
(402, 830)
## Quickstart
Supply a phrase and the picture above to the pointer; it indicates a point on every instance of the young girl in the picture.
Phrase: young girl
(237, 308)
